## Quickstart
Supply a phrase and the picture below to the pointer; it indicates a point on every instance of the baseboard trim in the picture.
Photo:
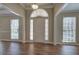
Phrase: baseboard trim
(72, 44)
(6, 40)
(51, 43)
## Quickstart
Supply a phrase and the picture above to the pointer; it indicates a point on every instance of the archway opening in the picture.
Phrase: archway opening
(39, 25)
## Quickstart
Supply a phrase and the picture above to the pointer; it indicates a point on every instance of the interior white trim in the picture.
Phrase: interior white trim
(60, 10)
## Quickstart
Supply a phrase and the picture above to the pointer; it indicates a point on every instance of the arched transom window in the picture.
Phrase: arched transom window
(39, 12)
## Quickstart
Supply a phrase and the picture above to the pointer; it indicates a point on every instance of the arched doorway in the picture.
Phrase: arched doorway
(39, 26)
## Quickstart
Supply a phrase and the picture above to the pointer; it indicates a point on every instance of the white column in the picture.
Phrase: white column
(23, 30)
(55, 30)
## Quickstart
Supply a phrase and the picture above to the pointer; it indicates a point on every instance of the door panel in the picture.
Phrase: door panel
(39, 30)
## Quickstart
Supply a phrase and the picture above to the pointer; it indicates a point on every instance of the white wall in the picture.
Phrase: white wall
(57, 10)
(19, 11)
(60, 26)
(15, 8)
(5, 29)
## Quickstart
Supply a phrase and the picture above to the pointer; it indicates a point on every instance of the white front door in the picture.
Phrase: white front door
(39, 29)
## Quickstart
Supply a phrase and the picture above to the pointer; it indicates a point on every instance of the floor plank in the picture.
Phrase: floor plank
(14, 48)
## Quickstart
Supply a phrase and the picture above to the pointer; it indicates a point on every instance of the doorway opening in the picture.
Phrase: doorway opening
(39, 26)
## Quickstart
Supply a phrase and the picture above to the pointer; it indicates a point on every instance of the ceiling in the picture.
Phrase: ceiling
(4, 11)
(71, 7)
(41, 5)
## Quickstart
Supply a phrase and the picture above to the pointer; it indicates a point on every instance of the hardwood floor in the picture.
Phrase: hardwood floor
(14, 48)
